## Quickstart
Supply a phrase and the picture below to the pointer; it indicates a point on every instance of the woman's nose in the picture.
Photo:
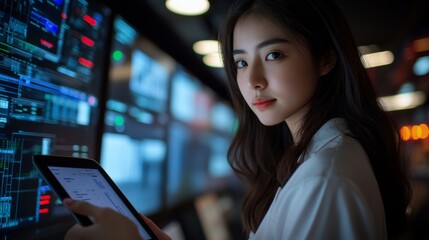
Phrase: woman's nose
(257, 78)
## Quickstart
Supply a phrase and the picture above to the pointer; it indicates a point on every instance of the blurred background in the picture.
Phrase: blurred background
(138, 86)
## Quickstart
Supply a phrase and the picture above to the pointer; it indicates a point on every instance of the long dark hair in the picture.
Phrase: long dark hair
(266, 156)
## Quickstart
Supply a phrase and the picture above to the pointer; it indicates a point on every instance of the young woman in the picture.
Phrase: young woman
(321, 158)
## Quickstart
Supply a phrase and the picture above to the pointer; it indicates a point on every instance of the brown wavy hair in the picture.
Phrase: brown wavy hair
(266, 156)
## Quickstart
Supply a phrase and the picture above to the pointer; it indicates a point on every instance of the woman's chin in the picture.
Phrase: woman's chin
(269, 122)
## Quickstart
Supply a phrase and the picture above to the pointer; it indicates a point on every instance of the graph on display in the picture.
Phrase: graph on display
(67, 66)
(51, 71)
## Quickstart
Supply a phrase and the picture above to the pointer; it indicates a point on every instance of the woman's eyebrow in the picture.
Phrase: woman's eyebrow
(262, 44)
(271, 42)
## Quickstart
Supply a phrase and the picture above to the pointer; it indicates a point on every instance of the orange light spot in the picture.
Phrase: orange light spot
(424, 131)
(415, 132)
(405, 133)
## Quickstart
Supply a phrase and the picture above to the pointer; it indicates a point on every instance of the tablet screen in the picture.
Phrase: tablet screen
(89, 185)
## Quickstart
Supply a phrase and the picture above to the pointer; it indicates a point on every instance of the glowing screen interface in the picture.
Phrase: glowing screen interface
(89, 185)
(51, 71)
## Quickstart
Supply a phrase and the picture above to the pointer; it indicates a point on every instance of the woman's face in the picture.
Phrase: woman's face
(276, 74)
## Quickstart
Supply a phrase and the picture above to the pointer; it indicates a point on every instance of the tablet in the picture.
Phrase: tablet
(84, 179)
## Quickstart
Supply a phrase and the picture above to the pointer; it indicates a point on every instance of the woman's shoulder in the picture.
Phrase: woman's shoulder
(334, 154)
(343, 157)
(333, 182)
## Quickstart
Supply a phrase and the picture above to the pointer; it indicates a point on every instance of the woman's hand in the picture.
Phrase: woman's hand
(107, 223)
(158, 232)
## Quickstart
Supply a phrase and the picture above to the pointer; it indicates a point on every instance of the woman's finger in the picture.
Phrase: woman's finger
(82, 207)
(158, 232)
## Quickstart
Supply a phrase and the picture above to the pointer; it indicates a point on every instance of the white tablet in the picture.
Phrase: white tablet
(84, 179)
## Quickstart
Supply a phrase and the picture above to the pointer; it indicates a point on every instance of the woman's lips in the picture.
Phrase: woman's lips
(262, 104)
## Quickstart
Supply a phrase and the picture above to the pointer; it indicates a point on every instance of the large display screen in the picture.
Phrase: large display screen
(199, 135)
(134, 142)
(51, 76)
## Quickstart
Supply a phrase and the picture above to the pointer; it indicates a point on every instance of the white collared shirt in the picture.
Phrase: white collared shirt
(332, 195)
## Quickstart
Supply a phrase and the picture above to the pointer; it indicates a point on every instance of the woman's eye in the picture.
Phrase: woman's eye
(240, 64)
(273, 56)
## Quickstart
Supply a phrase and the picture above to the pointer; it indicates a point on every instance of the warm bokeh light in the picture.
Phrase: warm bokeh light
(188, 7)
(414, 132)
(403, 101)
(210, 51)
(405, 133)
(421, 45)
(424, 131)
(213, 60)
(377, 59)
(204, 47)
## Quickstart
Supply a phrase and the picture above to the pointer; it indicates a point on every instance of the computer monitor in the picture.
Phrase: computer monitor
(200, 132)
(51, 78)
(223, 121)
(134, 146)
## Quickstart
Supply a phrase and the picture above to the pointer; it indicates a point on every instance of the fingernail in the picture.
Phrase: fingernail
(68, 201)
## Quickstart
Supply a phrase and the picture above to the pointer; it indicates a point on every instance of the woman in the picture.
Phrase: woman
(297, 61)
(322, 160)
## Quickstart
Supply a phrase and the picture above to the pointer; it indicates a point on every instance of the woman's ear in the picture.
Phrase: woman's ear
(327, 63)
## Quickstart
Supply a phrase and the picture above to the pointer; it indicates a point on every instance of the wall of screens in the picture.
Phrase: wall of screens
(51, 77)
(166, 134)
(134, 142)
(200, 131)
(77, 79)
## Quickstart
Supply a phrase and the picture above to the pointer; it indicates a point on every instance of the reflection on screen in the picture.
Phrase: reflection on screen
(89, 185)
(50, 80)
(134, 144)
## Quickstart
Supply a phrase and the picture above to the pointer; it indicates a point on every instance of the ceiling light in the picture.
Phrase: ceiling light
(377, 59)
(204, 47)
(188, 7)
(213, 60)
(403, 101)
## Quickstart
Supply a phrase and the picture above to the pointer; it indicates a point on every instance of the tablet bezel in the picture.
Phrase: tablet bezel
(42, 162)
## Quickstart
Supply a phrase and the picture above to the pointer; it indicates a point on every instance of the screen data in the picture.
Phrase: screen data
(199, 134)
(89, 185)
(51, 69)
(134, 146)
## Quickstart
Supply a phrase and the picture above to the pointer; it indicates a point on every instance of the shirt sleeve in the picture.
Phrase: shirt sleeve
(323, 208)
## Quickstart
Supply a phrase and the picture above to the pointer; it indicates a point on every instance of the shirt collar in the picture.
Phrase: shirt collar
(329, 131)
